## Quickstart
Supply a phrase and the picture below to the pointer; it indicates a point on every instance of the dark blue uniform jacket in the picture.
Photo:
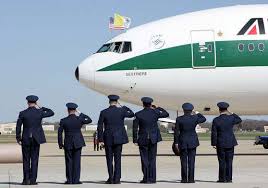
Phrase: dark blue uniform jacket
(222, 134)
(145, 126)
(31, 119)
(111, 127)
(71, 125)
(185, 135)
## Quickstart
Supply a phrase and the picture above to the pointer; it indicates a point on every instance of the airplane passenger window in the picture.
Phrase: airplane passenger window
(241, 47)
(251, 47)
(117, 47)
(104, 48)
(127, 47)
(261, 47)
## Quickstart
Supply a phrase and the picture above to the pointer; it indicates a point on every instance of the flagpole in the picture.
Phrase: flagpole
(110, 28)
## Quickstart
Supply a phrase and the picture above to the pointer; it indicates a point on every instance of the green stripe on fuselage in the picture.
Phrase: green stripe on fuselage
(227, 55)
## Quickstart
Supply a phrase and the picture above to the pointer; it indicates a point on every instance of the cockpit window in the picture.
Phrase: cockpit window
(127, 47)
(105, 48)
(117, 47)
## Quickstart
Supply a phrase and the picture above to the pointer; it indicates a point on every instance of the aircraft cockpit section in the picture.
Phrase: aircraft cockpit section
(116, 47)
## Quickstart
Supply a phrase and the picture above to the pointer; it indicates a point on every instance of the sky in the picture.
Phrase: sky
(42, 42)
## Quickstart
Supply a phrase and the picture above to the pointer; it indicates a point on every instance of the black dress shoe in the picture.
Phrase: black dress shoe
(34, 183)
(184, 181)
(192, 181)
(77, 183)
(26, 182)
(67, 183)
(109, 181)
(117, 182)
(221, 181)
(229, 181)
(143, 181)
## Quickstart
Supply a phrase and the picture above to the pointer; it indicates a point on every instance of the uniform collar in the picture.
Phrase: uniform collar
(32, 107)
(72, 115)
(147, 108)
(225, 113)
(187, 114)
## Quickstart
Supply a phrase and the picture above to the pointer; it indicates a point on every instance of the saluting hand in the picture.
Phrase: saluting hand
(37, 106)
(119, 104)
(78, 112)
(154, 106)
(230, 113)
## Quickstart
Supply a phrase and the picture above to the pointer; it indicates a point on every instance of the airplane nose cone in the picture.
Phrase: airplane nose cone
(85, 73)
(77, 74)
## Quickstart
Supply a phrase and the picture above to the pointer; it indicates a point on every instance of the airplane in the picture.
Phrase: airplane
(202, 57)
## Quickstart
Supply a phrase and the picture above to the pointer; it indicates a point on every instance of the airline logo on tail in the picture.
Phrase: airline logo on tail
(255, 26)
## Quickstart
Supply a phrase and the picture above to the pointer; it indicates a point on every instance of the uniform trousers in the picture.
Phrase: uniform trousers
(187, 157)
(30, 154)
(225, 158)
(113, 154)
(73, 165)
(148, 161)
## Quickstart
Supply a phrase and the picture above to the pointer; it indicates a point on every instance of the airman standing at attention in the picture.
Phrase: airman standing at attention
(146, 135)
(33, 135)
(111, 131)
(186, 139)
(223, 139)
(96, 141)
(73, 142)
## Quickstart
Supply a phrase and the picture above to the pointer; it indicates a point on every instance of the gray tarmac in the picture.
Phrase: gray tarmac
(250, 168)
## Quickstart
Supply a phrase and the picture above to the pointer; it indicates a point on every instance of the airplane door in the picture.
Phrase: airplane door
(203, 49)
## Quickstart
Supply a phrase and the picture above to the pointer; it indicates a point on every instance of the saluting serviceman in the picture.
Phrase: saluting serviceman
(33, 135)
(112, 132)
(73, 142)
(96, 141)
(223, 139)
(146, 135)
(186, 139)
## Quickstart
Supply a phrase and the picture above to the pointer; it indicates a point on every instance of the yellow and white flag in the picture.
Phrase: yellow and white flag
(119, 22)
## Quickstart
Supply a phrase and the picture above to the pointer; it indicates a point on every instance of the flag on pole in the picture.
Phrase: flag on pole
(119, 22)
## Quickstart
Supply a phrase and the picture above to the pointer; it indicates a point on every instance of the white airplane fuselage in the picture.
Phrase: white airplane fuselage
(202, 57)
